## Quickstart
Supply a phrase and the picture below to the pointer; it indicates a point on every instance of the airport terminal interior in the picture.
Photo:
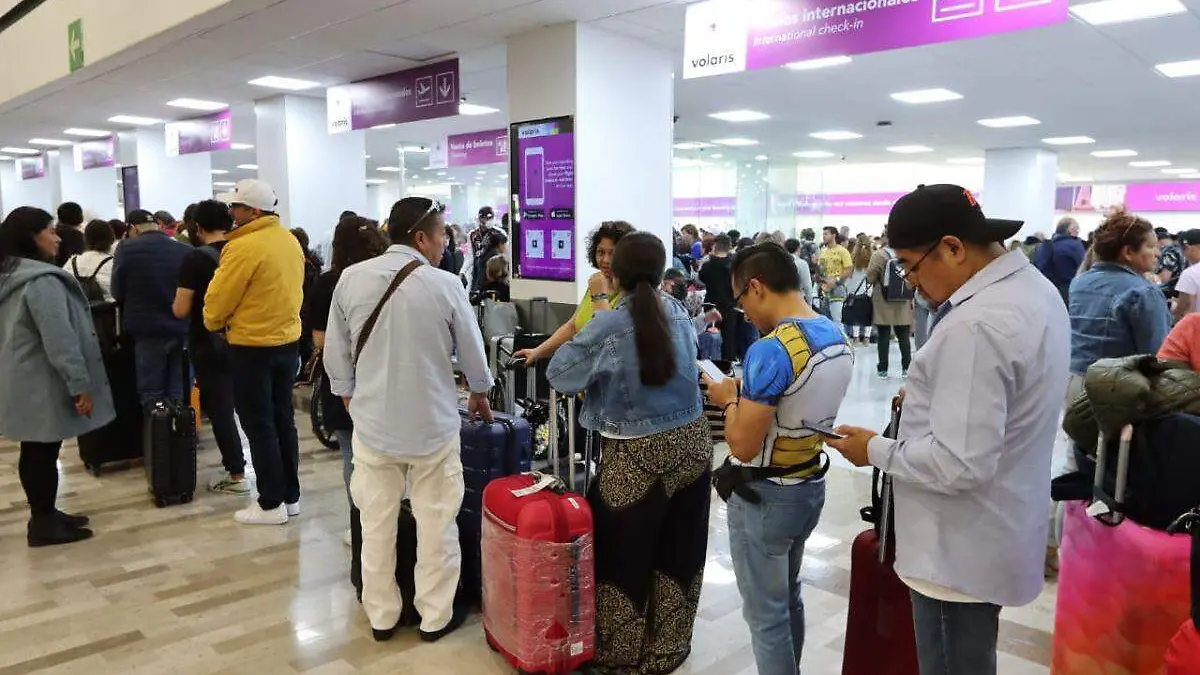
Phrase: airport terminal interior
(770, 117)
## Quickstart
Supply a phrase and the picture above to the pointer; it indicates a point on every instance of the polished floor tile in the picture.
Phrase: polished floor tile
(186, 591)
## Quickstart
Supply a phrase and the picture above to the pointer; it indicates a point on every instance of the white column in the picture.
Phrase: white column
(753, 199)
(170, 183)
(380, 200)
(94, 189)
(43, 193)
(621, 92)
(316, 175)
(1019, 184)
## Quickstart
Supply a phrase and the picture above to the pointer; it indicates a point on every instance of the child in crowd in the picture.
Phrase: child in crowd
(496, 286)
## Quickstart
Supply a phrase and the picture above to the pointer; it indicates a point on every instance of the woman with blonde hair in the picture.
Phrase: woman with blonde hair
(858, 322)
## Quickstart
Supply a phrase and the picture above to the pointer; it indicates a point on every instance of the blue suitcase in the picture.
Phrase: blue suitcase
(489, 451)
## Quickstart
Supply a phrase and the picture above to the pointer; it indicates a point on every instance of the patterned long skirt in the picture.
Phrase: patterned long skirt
(650, 504)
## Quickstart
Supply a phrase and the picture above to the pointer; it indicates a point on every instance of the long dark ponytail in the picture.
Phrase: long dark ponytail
(638, 264)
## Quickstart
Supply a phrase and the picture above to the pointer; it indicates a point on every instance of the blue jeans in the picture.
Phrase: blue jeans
(344, 439)
(766, 541)
(955, 638)
(263, 378)
(159, 363)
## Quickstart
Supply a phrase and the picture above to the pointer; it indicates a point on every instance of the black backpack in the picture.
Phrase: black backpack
(91, 288)
(894, 287)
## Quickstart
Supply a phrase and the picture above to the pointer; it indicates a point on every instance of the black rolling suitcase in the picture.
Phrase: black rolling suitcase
(170, 447)
(121, 439)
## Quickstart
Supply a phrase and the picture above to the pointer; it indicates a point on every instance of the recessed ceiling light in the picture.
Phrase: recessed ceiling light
(1191, 176)
(134, 120)
(740, 116)
(836, 135)
(909, 149)
(198, 104)
(376, 181)
(1106, 154)
(241, 146)
(1069, 140)
(1149, 164)
(812, 154)
(87, 133)
(473, 109)
(50, 142)
(219, 172)
(926, 96)
(736, 142)
(761, 158)
(441, 173)
(814, 64)
(6, 158)
(1178, 171)
(415, 148)
(20, 151)
(389, 169)
(1005, 122)
(1078, 179)
(223, 184)
(248, 167)
(1179, 68)
(1120, 11)
(481, 172)
(967, 161)
(716, 155)
(692, 145)
(285, 83)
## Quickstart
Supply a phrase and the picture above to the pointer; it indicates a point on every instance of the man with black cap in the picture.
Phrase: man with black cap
(980, 418)
(487, 241)
(1188, 286)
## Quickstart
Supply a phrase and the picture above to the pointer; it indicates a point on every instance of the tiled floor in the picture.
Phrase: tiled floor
(184, 590)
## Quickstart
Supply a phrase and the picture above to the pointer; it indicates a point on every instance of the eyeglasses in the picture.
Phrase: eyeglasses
(906, 273)
(434, 207)
(737, 302)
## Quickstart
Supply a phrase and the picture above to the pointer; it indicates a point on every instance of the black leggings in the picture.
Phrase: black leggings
(38, 467)
(884, 335)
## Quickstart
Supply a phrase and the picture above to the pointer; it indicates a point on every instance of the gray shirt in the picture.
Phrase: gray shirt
(972, 466)
(806, 284)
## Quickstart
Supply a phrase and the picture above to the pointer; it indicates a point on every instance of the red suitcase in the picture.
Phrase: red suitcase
(539, 600)
(880, 638)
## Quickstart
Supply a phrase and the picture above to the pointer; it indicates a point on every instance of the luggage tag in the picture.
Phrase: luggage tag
(544, 481)
(1097, 509)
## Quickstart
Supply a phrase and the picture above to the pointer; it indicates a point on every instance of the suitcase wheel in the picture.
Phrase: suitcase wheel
(186, 499)
(161, 502)
(93, 469)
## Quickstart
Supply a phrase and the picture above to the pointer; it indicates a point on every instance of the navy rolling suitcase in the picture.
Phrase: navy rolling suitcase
(169, 443)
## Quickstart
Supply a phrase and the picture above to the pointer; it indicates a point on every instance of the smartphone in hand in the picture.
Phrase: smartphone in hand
(711, 370)
(820, 429)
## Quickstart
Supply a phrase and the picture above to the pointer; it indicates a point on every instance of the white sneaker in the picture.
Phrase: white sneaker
(293, 509)
(229, 486)
(348, 539)
(256, 515)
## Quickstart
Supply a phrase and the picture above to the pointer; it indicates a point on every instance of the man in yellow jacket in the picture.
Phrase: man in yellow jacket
(254, 300)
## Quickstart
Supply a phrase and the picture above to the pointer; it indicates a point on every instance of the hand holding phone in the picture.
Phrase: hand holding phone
(820, 429)
(711, 370)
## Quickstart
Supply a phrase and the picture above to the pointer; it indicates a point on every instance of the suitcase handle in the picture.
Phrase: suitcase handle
(1105, 507)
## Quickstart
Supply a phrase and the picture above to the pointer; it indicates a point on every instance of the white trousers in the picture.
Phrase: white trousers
(435, 486)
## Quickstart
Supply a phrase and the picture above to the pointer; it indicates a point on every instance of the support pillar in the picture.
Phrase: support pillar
(94, 189)
(1019, 184)
(170, 183)
(43, 193)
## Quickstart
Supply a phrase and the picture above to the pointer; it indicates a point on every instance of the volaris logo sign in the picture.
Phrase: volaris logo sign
(715, 40)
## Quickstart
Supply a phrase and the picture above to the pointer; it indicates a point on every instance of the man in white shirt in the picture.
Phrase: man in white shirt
(1188, 285)
(972, 461)
(396, 377)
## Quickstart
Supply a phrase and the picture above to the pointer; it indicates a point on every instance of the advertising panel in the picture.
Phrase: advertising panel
(478, 148)
(30, 168)
(543, 173)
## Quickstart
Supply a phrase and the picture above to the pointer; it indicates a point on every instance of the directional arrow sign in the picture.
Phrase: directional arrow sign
(75, 45)
(423, 93)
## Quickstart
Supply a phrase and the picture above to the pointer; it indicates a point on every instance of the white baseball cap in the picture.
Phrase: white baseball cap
(256, 194)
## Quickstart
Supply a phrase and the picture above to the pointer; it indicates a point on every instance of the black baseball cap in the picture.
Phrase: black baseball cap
(1189, 237)
(1163, 233)
(487, 212)
(139, 217)
(931, 212)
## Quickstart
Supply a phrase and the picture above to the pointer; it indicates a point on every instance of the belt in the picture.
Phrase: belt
(730, 478)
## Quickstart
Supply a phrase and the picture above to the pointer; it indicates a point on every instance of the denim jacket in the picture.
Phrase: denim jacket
(1115, 313)
(602, 360)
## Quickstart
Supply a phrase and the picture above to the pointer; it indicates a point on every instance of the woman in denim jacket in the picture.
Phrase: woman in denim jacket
(637, 365)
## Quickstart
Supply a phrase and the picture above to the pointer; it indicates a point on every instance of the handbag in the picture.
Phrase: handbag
(859, 309)
(374, 318)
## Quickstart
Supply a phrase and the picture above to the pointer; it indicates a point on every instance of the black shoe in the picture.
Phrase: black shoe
(71, 519)
(383, 635)
(456, 622)
(52, 532)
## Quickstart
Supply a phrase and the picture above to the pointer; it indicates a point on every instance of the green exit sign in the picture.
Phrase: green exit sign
(75, 44)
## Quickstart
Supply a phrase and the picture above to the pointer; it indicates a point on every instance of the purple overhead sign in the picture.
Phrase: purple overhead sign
(705, 207)
(481, 147)
(29, 168)
(200, 134)
(423, 93)
(730, 36)
(96, 154)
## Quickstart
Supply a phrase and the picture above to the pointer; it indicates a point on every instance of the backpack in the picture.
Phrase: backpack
(91, 288)
(893, 287)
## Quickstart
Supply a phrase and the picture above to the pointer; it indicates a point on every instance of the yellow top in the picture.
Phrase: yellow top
(586, 312)
(258, 287)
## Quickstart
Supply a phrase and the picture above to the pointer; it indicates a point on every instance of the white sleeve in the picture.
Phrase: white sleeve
(1189, 281)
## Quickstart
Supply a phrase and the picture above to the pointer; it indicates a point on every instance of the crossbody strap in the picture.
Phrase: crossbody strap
(100, 266)
(387, 295)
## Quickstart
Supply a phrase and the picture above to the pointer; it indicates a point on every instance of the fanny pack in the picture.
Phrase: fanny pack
(730, 478)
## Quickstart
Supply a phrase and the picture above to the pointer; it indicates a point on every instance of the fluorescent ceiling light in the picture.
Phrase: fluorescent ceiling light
(1005, 122)
(1192, 176)
(692, 145)
(248, 167)
(716, 155)
(383, 126)
(6, 158)
(1179, 68)
(836, 135)
(1119, 11)
(740, 116)
(87, 133)
(285, 83)
(1078, 179)
(51, 142)
(134, 120)
(473, 109)
(198, 104)
(1069, 140)
(812, 154)
(1106, 154)
(241, 146)
(1149, 164)
(1178, 171)
(376, 181)
(389, 169)
(441, 173)
(20, 151)
(761, 158)
(926, 96)
(223, 184)
(909, 149)
(814, 64)
(736, 142)
(414, 148)
(967, 161)
(219, 172)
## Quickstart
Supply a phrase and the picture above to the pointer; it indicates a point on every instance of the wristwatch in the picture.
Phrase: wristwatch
(600, 296)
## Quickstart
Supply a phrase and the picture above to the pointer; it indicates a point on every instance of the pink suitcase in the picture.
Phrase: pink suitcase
(1183, 654)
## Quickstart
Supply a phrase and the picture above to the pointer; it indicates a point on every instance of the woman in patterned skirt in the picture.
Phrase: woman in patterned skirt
(637, 365)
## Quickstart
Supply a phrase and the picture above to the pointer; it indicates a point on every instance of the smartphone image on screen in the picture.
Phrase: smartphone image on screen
(821, 429)
(535, 176)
